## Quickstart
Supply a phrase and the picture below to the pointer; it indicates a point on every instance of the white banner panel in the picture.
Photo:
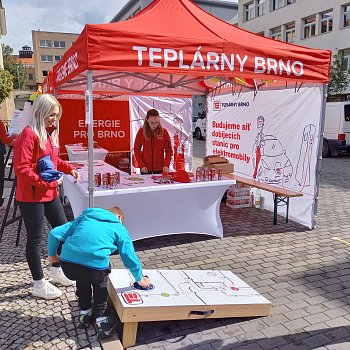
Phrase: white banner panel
(176, 118)
(272, 137)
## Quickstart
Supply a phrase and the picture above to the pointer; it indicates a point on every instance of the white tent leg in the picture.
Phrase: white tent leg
(90, 122)
(319, 154)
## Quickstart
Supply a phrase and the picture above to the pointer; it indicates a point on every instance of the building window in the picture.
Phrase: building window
(346, 59)
(30, 76)
(261, 33)
(277, 4)
(45, 73)
(57, 58)
(346, 22)
(309, 27)
(326, 22)
(45, 43)
(276, 33)
(136, 11)
(261, 7)
(59, 44)
(46, 58)
(290, 33)
(249, 11)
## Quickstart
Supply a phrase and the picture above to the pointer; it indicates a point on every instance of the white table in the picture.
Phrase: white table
(76, 152)
(154, 209)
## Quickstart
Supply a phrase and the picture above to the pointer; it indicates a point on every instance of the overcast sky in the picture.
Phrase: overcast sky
(68, 16)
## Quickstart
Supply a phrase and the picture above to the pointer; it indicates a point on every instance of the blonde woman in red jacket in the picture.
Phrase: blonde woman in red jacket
(152, 146)
(38, 198)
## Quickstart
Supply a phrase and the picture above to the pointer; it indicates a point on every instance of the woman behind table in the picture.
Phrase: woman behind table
(152, 145)
(38, 198)
(4, 140)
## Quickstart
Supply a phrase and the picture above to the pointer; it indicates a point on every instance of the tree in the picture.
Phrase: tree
(6, 84)
(339, 78)
(15, 67)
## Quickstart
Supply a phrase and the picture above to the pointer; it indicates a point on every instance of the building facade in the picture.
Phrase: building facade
(26, 58)
(320, 24)
(226, 10)
(49, 47)
(6, 107)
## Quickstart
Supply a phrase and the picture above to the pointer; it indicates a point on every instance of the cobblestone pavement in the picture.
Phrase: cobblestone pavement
(305, 274)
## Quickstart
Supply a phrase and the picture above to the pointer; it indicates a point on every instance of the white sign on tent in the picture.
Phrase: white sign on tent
(271, 137)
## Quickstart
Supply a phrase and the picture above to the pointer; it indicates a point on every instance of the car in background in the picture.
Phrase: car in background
(199, 125)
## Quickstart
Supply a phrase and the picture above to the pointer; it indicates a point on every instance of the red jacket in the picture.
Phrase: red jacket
(150, 153)
(26, 153)
(4, 139)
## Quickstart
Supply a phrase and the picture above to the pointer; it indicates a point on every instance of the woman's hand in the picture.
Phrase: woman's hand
(60, 181)
(53, 259)
(145, 282)
(165, 169)
(144, 170)
(75, 173)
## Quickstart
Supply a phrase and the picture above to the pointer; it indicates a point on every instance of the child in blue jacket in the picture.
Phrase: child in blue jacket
(88, 241)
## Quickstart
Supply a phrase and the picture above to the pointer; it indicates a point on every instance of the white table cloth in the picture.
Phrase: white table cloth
(76, 152)
(152, 209)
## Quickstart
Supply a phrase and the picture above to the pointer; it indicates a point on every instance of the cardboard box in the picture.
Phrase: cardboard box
(227, 168)
(214, 159)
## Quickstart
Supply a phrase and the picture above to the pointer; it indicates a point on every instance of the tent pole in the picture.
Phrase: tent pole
(319, 155)
(90, 122)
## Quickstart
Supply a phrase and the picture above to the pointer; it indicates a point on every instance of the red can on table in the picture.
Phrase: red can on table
(105, 183)
(199, 174)
(98, 179)
(212, 174)
(206, 174)
(220, 174)
(117, 177)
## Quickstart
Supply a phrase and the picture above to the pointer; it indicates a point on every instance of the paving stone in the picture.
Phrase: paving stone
(305, 274)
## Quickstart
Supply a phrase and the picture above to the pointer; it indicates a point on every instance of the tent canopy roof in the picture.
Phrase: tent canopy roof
(174, 47)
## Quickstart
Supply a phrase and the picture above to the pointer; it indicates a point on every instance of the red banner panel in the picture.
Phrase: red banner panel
(111, 124)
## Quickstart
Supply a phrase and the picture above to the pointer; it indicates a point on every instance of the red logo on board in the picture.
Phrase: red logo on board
(132, 298)
(217, 105)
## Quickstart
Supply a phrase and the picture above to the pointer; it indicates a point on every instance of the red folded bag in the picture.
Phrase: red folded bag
(180, 176)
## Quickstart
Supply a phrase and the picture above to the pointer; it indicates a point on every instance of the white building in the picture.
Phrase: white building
(224, 9)
(321, 24)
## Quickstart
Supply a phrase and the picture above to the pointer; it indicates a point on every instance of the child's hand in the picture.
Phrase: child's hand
(145, 282)
(53, 259)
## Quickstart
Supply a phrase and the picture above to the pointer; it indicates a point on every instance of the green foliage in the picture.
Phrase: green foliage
(6, 84)
(15, 67)
(339, 78)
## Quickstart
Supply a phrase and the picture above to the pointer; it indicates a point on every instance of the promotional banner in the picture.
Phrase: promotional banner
(111, 124)
(176, 118)
(272, 137)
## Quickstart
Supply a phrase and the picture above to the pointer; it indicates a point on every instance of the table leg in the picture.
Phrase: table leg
(287, 210)
(129, 334)
(275, 201)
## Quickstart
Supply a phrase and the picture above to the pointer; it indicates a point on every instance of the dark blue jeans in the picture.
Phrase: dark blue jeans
(33, 214)
(91, 284)
(2, 178)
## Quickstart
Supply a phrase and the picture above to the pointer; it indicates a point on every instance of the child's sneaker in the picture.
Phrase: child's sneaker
(46, 291)
(105, 328)
(57, 276)
(84, 320)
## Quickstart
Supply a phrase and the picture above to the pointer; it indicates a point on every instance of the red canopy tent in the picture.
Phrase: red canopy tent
(173, 47)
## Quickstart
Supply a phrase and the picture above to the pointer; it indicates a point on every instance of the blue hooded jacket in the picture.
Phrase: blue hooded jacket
(91, 238)
(47, 170)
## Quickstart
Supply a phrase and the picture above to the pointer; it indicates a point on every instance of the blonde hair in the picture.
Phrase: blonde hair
(42, 107)
(147, 132)
(117, 212)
